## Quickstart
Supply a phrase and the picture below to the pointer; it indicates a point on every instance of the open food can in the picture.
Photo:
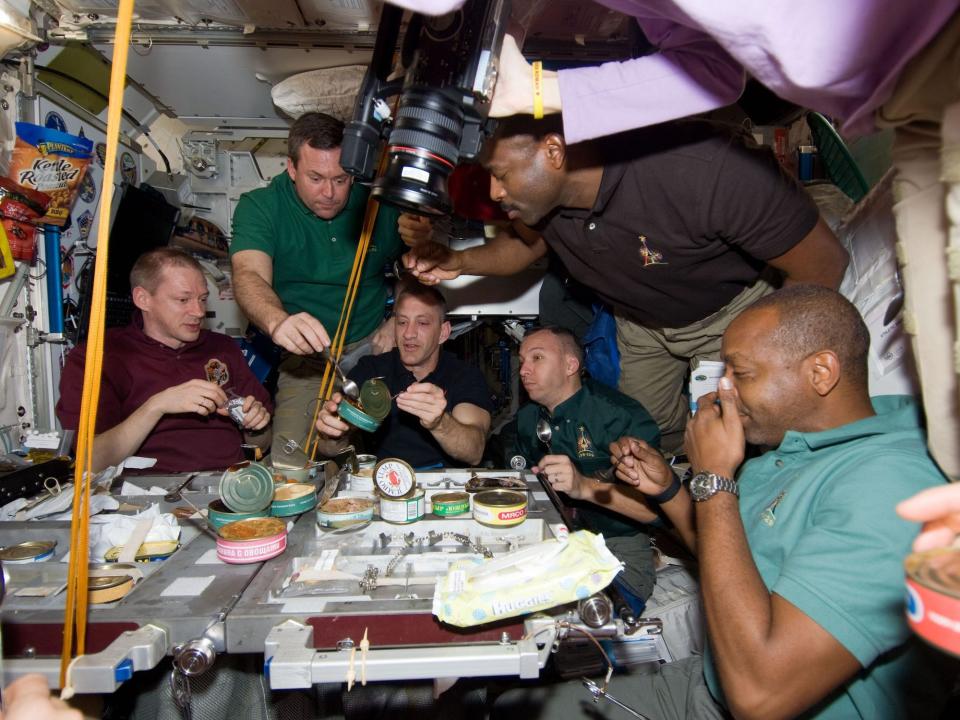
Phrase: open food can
(293, 499)
(252, 540)
(933, 597)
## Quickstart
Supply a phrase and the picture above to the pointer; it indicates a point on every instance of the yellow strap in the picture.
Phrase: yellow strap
(76, 611)
(353, 286)
(537, 90)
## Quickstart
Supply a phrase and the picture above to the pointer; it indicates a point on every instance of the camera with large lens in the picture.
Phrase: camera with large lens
(441, 118)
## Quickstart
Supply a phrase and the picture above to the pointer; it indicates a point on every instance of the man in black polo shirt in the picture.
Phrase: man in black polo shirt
(441, 414)
(672, 225)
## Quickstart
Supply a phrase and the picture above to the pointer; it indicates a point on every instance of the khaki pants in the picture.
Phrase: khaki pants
(654, 362)
(298, 386)
(925, 113)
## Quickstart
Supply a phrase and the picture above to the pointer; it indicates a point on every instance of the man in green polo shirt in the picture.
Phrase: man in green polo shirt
(292, 252)
(800, 549)
(585, 417)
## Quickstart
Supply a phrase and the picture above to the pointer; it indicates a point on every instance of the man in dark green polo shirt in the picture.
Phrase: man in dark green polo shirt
(585, 417)
(292, 251)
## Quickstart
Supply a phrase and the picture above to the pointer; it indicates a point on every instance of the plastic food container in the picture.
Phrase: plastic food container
(403, 510)
(933, 597)
(450, 504)
(219, 514)
(246, 487)
(340, 512)
(293, 499)
(252, 540)
(500, 508)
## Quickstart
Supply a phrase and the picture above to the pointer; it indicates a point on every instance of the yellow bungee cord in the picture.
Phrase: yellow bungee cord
(75, 618)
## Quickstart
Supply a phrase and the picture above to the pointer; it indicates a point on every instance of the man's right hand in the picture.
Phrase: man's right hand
(329, 423)
(194, 396)
(414, 230)
(301, 334)
(640, 465)
(432, 262)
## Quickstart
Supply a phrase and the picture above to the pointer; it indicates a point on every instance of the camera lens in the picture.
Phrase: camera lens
(423, 150)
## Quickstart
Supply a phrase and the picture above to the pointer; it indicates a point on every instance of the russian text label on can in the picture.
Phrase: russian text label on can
(933, 597)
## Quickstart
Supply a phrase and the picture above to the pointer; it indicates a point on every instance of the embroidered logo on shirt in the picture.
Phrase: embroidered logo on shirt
(217, 371)
(585, 446)
(650, 256)
(769, 515)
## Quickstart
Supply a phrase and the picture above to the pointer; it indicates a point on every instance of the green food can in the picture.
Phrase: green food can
(219, 514)
(293, 499)
(450, 504)
(246, 487)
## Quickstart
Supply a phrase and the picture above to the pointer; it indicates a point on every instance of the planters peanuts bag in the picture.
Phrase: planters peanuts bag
(52, 162)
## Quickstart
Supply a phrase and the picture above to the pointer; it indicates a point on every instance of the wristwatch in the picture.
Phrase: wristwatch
(704, 486)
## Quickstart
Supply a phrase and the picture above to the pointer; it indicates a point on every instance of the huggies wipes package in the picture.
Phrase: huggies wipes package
(542, 576)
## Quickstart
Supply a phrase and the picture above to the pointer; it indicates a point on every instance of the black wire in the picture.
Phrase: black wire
(139, 125)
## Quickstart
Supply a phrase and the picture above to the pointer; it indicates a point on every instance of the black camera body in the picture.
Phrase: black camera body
(441, 118)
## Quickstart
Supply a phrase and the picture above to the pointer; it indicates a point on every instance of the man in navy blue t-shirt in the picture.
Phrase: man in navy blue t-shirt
(441, 413)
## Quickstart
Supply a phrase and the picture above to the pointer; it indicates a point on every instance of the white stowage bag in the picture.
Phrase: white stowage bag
(329, 90)
(542, 576)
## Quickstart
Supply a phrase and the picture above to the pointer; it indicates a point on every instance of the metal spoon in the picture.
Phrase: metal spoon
(545, 435)
(349, 387)
(206, 524)
(175, 495)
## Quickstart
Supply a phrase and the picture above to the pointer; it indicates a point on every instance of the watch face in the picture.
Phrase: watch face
(700, 487)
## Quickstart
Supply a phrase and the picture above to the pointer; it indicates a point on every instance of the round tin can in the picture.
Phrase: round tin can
(366, 462)
(355, 416)
(108, 588)
(246, 487)
(27, 552)
(219, 514)
(375, 398)
(450, 504)
(933, 597)
(252, 540)
(340, 512)
(403, 510)
(394, 478)
(499, 508)
(293, 499)
(147, 552)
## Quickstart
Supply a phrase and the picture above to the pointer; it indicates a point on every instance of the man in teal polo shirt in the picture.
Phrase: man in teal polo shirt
(292, 252)
(800, 549)
(585, 417)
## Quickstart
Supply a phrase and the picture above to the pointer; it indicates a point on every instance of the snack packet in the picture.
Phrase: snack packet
(20, 208)
(52, 162)
(538, 577)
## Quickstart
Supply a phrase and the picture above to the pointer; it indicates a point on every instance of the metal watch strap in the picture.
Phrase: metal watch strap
(718, 483)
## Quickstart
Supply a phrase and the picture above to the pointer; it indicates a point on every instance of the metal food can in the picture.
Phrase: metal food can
(219, 514)
(340, 512)
(27, 552)
(108, 588)
(293, 499)
(252, 540)
(499, 508)
(933, 597)
(394, 478)
(450, 504)
(366, 462)
(246, 487)
(403, 510)
(147, 552)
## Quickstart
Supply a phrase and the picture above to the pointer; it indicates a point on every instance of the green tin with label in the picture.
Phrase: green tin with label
(450, 504)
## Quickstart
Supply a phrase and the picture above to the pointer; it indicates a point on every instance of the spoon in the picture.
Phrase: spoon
(349, 387)
(545, 435)
(206, 524)
(175, 495)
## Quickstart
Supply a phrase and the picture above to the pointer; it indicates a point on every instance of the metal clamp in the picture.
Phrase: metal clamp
(105, 671)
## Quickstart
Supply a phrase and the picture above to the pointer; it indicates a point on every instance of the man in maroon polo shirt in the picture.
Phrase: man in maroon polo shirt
(165, 383)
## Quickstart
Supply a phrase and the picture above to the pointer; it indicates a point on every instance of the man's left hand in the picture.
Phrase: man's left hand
(562, 475)
(255, 415)
(426, 401)
(714, 436)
